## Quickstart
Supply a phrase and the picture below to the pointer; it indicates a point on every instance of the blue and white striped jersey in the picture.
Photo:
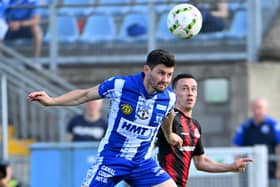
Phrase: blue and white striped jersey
(134, 117)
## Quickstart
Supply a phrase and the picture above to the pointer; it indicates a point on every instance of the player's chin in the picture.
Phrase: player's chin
(161, 88)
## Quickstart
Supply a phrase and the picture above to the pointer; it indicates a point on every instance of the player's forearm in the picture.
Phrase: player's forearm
(167, 125)
(34, 21)
(212, 166)
(71, 98)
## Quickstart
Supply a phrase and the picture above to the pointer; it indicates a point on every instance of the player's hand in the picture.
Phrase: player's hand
(14, 25)
(175, 140)
(240, 164)
(40, 96)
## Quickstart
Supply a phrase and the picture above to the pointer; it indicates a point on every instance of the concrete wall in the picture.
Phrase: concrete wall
(264, 80)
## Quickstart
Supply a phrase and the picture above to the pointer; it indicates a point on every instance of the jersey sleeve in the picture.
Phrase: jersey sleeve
(35, 10)
(277, 132)
(70, 125)
(199, 148)
(171, 102)
(238, 137)
(106, 89)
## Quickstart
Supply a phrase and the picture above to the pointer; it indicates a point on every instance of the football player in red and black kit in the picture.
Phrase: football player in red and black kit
(176, 160)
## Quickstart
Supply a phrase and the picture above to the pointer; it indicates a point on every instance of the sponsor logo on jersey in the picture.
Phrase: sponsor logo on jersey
(126, 109)
(161, 107)
(187, 148)
(265, 129)
(134, 130)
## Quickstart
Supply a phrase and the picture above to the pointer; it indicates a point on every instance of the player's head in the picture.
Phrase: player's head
(159, 69)
(93, 109)
(185, 87)
(259, 109)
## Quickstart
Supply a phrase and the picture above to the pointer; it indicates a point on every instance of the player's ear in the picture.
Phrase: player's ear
(147, 69)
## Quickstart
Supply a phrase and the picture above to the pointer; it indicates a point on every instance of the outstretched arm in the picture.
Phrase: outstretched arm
(204, 163)
(172, 138)
(71, 98)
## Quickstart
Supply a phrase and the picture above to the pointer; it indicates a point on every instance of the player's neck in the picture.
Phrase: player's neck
(187, 112)
(92, 118)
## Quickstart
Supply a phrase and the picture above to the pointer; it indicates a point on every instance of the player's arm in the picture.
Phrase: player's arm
(166, 127)
(71, 98)
(222, 10)
(203, 163)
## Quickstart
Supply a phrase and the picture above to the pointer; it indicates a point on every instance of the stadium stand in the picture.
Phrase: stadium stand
(44, 11)
(67, 30)
(114, 7)
(162, 32)
(134, 28)
(78, 8)
(104, 32)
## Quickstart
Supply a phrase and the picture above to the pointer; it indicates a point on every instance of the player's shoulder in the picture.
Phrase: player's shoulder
(273, 122)
(124, 77)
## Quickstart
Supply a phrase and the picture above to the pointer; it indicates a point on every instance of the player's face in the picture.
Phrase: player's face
(186, 93)
(159, 77)
(259, 110)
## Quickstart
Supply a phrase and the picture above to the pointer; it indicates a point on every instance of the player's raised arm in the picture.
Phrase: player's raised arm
(71, 98)
(172, 138)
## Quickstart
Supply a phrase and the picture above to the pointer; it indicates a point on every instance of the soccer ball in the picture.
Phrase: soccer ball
(184, 21)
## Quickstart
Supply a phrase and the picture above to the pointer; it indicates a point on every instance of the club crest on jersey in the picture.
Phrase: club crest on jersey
(143, 114)
(126, 109)
(134, 130)
(144, 111)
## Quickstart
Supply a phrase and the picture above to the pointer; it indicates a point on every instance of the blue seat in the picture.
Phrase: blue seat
(79, 10)
(138, 19)
(113, 7)
(239, 26)
(162, 32)
(237, 30)
(99, 28)
(67, 30)
(159, 5)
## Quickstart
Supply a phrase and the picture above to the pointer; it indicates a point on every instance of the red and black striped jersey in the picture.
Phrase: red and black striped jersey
(177, 162)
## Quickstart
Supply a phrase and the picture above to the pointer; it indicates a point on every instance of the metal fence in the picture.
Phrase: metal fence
(77, 157)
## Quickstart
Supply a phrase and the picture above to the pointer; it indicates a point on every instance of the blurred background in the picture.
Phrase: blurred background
(81, 43)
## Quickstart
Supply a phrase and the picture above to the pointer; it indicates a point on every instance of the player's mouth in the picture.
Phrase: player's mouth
(189, 101)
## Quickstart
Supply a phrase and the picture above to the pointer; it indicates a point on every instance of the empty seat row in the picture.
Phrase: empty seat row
(103, 28)
(113, 7)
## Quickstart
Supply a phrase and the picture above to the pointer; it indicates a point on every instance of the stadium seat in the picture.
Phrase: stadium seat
(79, 10)
(162, 32)
(67, 30)
(134, 19)
(99, 28)
(113, 7)
(160, 6)
(237, 30)
(239, 26)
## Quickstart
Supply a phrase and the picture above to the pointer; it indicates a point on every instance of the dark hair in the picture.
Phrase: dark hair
(181, 76)
(3, 166)
(160, 56)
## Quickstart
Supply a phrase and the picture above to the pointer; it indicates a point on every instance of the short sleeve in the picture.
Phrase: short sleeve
(70, 125)
(277, 132)
(106, 88)
(238, 137)
(199, 149)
